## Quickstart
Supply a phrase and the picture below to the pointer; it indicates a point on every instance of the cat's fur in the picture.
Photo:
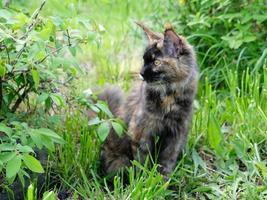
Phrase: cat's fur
(159, 107)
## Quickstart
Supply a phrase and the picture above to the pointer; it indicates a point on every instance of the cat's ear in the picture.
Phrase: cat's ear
(173, 43)
(152, 37)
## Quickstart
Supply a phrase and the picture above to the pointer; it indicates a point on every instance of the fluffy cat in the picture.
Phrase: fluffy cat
(157, 108)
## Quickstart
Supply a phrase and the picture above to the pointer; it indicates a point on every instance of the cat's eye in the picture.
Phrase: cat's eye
(157, 62)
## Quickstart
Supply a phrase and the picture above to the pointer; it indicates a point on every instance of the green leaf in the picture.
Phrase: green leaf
(197, 160)
(37, 139)
(24, 149)
(202, 189)
(36, 78)
(103, 131)
(103, 107)
(101, 28)
(4, 13)
(260, 61)
(49, 196)
(21, 178)
(240, 148)
(60, 61)
(261, 166)
(94, 108)
(91, 36)
(249, 38)
(47, 31)
(72, 50)
(30, 192)
(73, 71)
(45, 137)
(88, 92)
(44, 34)
(48, 143)
(118, 128)
(21, 20)
(37, 51)
(41, 98)
(7, 147)
(214, 133)
(57, 99)
(7, 156)
(13, 166)
(2, 70)
(94, 121)
(40, 55)
(48, 103)
(234, 42)
(5, 129)
(47, 132)
(32, 163)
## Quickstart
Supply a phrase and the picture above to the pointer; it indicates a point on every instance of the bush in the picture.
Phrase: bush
(226, 34)
(37, 59)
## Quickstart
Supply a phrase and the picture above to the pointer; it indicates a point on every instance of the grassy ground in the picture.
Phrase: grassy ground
(226, 154)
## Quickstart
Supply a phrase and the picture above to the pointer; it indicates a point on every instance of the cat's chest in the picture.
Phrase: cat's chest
(168, 105)
(162, 106)
(144, 124)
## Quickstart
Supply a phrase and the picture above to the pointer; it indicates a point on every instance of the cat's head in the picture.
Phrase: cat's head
(168, 58)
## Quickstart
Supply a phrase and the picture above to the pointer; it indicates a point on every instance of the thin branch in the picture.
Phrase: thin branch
(20, 99)
(1, 80)
(56, 51)
(20, 52)
(68, 35)
(7, 52)
(17, 92)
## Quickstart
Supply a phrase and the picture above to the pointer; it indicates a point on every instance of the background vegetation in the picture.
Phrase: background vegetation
(52, 53)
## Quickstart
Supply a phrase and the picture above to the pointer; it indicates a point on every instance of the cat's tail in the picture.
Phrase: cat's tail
(116, 151)
(113, 95)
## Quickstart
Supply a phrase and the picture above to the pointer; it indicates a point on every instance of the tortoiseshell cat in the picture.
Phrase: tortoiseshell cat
(159, 107)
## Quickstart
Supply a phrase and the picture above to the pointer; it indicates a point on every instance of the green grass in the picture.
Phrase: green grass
(225, 157)
(226, 153)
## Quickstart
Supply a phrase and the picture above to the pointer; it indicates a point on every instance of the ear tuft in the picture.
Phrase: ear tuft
(170, 33)
(168, 26)
(141, 25)
(153, 37)
(173, 43)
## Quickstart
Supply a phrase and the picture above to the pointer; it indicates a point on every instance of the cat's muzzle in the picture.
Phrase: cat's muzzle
(141, 77)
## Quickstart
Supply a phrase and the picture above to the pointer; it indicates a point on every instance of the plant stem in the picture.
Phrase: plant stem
(20, 99)
(1, 93)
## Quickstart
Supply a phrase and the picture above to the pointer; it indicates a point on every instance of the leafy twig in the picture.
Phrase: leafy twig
(56, 51)
(34, 20)
(30, 28)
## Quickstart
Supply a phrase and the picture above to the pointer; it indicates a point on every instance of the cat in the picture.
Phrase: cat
(159, 107)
